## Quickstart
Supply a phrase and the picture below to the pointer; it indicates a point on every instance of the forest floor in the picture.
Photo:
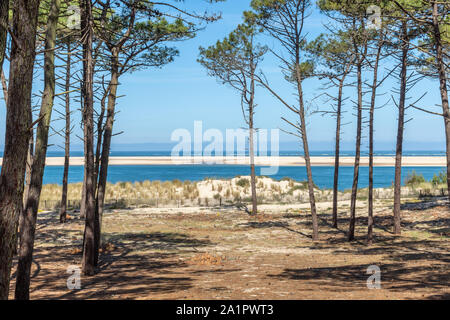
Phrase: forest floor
(224, 253)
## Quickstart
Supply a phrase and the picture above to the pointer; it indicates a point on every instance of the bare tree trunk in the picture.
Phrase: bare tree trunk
(370, 221)
(351, 231)
(442, 85)
(30, 156)
(312, 200)
(4, 86)
(251, 112)
(107, 135)
(63, 209)
(83, 195)
(4, 15)
(88, 119)
(400, 129)
(337, 152)
(98, 150)
(26, 192)
(252, 167)
(17, 133)
(27, 233)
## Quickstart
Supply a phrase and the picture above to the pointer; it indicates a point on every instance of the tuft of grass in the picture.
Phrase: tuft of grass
(243, 182)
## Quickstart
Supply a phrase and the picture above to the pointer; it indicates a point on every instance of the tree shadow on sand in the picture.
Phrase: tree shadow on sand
(131, 266)
(394, 277)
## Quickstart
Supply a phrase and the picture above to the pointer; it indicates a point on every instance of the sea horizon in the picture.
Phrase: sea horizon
(282, 153)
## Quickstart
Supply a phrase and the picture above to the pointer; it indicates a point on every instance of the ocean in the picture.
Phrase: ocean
(323, 176)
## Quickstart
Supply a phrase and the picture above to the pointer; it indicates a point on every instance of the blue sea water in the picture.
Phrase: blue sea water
(323, 176)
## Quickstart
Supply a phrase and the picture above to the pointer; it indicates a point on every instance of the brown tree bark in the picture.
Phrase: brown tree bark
(63, 209)
(28, 228)
(18, 125)
(337, 152)
(106, 148)
(88, 264)
(99, 143)
(4, 86)
(351, 231)
(303, 133)
(29, 163)
(4, 15)
(442, 84)
(370, 221)
(400, 129)
(251, 145)
(83, 195)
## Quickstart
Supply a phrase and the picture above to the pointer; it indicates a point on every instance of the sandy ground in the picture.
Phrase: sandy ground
(262, 161)
(222, 253)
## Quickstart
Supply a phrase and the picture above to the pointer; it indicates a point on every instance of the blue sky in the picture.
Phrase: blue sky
(158, 101)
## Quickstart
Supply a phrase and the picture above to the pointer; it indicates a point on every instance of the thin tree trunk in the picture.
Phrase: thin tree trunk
(83, 195)
(251, 146)
(252, 167)
(400, 130)
(370, 221)
(312, 200)
(107, 135)
(17, 132)
(337, 152)
(351, 231)
(63, 209)
(442, 85)
(4, 15)
(27, 233)
(98, 150)
(88, 119)
(4, 86)
(30, 155)
(83, 189)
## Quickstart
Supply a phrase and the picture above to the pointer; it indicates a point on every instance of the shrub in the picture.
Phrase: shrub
(414, 179)
(243, 183)
(439, 179)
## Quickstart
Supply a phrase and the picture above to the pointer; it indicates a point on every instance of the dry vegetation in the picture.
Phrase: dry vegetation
(223, 253)
(213, 192)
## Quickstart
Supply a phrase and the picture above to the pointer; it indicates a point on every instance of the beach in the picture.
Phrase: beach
(379, 161)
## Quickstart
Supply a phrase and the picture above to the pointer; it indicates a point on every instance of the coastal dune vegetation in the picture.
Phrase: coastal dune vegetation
(212, 192)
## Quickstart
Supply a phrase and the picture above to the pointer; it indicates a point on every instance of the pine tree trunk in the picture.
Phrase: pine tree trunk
(370, 221)
(26, 192)
(88, 265)
(400, 130)
(17, 132)
(4, 86)
(442, 85)
(63, 209)
(107, 135)
(251, 112)
(4, 12)
(27, 233)
(83, 194)
(337, 153)
(98, 149)
(303, 133)
(30, 156)
(351, 231)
